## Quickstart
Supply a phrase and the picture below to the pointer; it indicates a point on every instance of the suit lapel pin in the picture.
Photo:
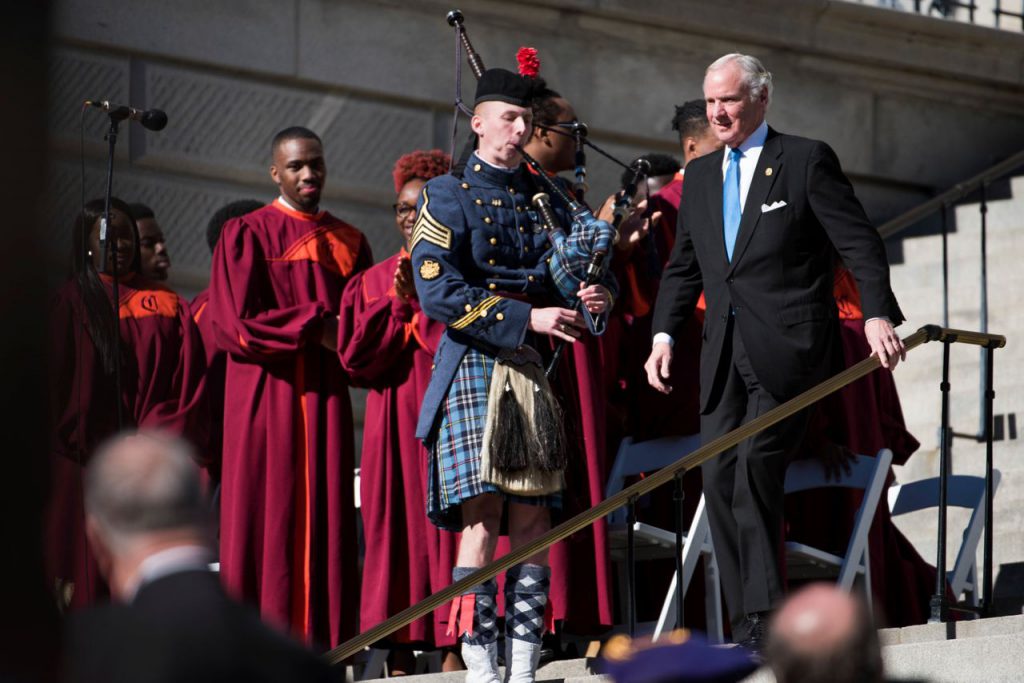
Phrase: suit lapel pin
(768, 171)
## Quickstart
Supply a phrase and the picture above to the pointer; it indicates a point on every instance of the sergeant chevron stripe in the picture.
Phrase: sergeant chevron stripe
(429, 229)
(477, 311)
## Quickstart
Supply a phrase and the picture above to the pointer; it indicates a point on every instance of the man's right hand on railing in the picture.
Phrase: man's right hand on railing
(884, 342)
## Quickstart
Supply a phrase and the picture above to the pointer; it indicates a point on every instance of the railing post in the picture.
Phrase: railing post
(945, 265)
(983, 303)
(631, 566)
(990, 396)
(678, 496)
(939, 606)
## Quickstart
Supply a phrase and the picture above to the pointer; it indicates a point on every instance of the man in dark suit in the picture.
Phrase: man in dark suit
(146, 523)
(759, 226)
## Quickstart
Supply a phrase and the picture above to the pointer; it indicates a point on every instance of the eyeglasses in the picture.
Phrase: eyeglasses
(565, 127)
(403, 210)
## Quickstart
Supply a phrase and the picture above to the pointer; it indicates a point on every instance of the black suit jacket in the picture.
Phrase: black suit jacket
(779, 282)
(183, 627)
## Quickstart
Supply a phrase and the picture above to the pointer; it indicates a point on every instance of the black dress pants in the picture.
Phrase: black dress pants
(743, 487)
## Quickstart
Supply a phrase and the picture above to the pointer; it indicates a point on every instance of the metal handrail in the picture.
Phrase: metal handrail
(565, 529)
(955, 193)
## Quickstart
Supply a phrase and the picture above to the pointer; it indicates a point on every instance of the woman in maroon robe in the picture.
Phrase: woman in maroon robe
(387, 344)
(161, 365)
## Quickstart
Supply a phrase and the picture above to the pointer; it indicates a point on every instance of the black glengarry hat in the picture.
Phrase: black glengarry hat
(502, 85)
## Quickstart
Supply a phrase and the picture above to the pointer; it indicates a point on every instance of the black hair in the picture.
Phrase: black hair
(545, 110)
(235, 209)
(691, 119)
(101, 318)
(661, 164)
(293, 133)
(140, 211)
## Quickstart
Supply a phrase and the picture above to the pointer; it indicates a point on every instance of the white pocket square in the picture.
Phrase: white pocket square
(765, 208)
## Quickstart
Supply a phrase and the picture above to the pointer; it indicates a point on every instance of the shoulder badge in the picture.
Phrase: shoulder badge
(429, 269)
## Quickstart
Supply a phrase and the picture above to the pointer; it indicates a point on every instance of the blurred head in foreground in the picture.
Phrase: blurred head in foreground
(142, 497)
(824, 634)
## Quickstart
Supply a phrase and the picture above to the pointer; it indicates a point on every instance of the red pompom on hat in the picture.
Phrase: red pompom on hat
(529, 62)
(420, 164)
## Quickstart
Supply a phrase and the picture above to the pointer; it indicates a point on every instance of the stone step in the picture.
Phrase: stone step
(988, 650)
(962, 652)
(568, 670)
(989, 659)
(917, 283)
(1008, 520)
(968, 458)
(1007, 546)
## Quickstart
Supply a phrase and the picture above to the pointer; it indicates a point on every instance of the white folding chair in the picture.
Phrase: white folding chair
(806, 562)
(651, 542)
(962, 491)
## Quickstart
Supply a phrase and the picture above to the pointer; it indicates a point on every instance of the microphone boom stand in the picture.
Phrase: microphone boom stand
(116, 117)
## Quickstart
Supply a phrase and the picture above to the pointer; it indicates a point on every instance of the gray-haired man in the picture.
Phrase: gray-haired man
(758, 228)
(146, 522)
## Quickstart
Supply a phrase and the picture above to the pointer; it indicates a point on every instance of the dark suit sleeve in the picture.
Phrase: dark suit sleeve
(681, 281)
(837, 208)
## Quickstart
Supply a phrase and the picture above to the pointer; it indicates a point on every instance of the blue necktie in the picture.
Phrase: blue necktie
(731, 209)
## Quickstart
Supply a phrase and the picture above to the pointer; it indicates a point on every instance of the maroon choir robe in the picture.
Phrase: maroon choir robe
(387, 345)
(864, 416)
(650, 414)
(636, 409)
(161, 388)
(287, 522)
(214, 383)
(581, 582)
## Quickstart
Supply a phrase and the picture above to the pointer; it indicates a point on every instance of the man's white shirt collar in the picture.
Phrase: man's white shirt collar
(492, 165)
(291, 206)
(171, 561)
(751, 149)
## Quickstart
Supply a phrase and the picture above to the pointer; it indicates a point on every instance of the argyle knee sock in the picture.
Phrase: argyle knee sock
(526, 600)
(474, 619)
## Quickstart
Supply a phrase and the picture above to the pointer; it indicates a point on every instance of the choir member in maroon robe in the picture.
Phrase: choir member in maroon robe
(215, 358)
(161, 368)
(581, 583)
(387, 344)
(695, 140)
(287, 525)
(156, 259)
(652, 414)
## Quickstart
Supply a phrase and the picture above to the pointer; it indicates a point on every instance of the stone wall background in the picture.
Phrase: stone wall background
(912, 104)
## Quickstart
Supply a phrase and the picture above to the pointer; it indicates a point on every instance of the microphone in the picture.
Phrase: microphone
(152, 119)
(579, 128)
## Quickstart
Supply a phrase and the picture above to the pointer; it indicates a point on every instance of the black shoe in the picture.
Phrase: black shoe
(757, 632)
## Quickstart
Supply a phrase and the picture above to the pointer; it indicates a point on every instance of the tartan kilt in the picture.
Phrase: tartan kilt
(454, 467)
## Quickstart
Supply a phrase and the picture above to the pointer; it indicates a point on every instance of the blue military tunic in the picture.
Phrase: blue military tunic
(479, 256)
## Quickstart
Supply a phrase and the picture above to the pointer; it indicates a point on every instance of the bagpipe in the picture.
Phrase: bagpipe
(581, 257)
